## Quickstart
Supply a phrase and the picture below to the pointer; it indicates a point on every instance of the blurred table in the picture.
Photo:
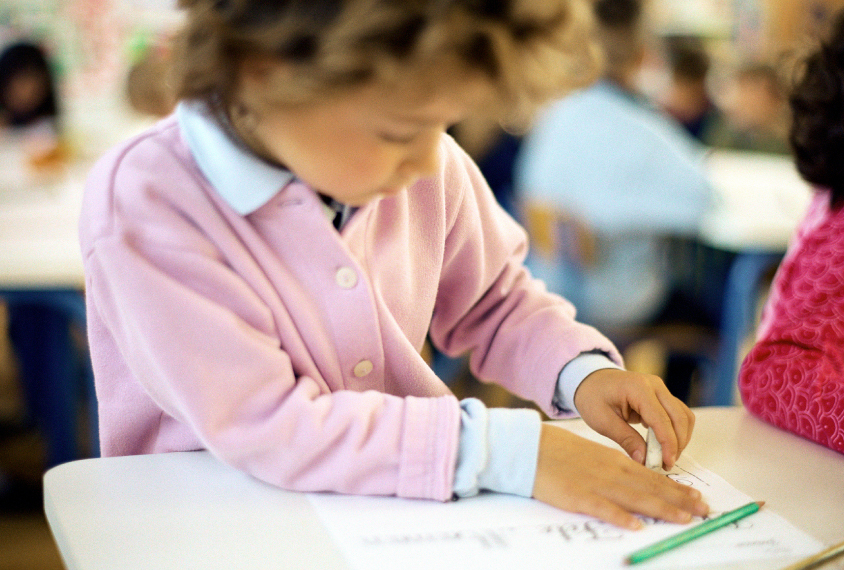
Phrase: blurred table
(39, 247)
(189, 510)
(759, 200)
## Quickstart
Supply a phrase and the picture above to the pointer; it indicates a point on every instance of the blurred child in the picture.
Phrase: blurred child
(627, 179)
(794, 376)
(263, 267)
(687, 98)
(28, 103)
(27, 92)
(755, 116)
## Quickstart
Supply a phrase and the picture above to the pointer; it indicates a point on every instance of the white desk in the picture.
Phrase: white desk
(186, 510)
(39, 244)
(759, 200)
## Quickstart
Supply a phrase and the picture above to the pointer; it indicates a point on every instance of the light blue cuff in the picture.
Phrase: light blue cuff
(573, 374)
(498, 450)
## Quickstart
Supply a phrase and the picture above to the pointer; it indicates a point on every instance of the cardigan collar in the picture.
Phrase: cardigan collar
(242, 179)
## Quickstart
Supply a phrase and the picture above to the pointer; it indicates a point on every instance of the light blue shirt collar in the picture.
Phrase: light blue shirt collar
(243, 180)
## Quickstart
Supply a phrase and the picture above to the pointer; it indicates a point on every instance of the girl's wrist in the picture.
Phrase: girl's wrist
(498, 450)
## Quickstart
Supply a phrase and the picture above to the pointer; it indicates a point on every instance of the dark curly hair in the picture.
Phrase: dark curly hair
(817, 105)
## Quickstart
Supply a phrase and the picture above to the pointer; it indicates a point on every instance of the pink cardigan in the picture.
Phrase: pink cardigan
(291, 351)
(794, 375)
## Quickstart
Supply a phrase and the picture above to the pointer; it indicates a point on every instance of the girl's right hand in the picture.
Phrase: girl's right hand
(582, 476)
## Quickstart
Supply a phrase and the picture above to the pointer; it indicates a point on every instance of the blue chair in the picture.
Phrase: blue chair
(738, 319)
(57, 384)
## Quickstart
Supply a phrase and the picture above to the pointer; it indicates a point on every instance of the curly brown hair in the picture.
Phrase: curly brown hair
(530, 51)
(817, 106)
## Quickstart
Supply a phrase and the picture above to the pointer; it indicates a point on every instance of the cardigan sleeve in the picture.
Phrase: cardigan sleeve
(794, 375)
(179, 338)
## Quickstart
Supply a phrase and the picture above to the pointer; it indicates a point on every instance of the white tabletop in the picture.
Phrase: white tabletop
(39, 244)
(39, 208)
(759, 200)
(187, 510)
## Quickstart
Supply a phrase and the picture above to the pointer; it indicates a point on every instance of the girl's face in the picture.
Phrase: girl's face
(26, 91)
(372, 141)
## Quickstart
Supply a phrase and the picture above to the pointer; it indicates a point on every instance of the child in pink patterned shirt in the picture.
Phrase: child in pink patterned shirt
(794, 375)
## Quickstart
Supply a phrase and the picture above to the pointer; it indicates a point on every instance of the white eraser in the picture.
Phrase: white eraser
(653, 451)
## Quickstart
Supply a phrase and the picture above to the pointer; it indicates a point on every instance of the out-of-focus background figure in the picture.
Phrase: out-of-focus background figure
(755, 112)
(607, 182)
(27, 91)
(29, 107)
(687, 97)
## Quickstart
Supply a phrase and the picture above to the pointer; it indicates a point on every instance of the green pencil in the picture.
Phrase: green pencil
(704, 528)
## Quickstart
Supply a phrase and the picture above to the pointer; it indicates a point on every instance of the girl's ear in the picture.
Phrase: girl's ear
(258, 67)
(259, 73)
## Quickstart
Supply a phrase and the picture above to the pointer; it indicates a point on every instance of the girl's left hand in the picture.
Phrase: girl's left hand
(610, 400)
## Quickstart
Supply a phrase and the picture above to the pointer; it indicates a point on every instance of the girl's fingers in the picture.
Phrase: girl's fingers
(618, 501)
(609, 400)
(630, 440)
(602, 508)
(683, 420)
(657, 496)
(681, 425)
(671, 420)
(583, 476)
(656, 416)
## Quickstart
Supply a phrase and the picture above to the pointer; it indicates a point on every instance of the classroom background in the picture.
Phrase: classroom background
(717, 70)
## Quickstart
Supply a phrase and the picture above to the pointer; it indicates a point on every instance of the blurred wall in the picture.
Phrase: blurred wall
(92, 44)
(791, 22)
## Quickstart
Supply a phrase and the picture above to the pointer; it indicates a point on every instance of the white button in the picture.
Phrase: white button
(362, 368)
(346, 277)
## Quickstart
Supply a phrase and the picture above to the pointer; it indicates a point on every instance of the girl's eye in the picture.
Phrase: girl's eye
(398, 138)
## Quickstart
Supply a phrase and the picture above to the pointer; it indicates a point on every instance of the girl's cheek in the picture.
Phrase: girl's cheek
(372, 163)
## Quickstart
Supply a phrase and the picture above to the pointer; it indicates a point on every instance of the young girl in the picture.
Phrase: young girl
(27, 92)
(29, 114)
(264, 266)
(794, 375)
